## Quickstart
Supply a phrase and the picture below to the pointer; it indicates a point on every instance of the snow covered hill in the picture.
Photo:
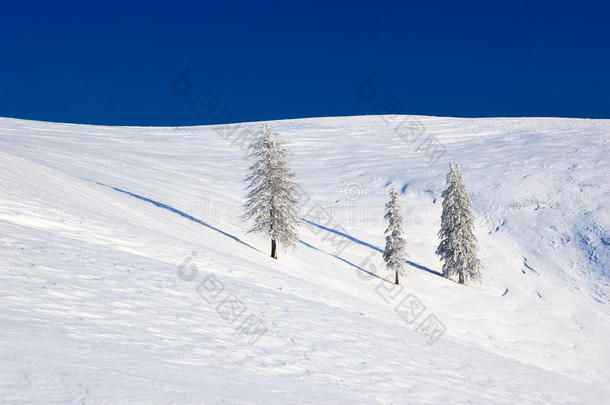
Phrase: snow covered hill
(128, 277)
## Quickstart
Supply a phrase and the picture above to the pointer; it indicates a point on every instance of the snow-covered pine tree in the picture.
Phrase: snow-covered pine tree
(458, 246)
(395, 245)
(271, 200)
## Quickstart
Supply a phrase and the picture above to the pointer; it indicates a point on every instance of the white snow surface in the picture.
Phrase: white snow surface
(92, 308)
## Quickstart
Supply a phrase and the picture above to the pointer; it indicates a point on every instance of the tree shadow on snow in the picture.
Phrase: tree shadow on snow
(181, 213)
(363, 243)
(235, 238)
(343, 260)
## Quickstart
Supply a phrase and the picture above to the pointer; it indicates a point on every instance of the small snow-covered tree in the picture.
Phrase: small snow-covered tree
(395, 245)
(271, 200)
(458, 244)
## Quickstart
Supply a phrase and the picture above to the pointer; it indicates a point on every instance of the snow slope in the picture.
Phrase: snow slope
(96, 221)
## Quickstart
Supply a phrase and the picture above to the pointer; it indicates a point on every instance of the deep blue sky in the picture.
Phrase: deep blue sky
(115, 63)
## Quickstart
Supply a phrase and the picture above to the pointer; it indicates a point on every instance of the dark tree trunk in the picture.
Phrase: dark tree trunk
(396, 282)
(461, 277)
(273, 249)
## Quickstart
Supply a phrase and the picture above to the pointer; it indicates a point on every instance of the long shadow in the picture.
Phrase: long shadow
(342, 259)
(363, 243)
(181, 213)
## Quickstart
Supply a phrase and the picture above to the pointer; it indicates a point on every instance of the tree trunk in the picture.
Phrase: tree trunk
(273, 249)
(396, 282)
(461, 277)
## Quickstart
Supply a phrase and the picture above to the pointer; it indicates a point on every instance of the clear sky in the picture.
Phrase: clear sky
(117, 63)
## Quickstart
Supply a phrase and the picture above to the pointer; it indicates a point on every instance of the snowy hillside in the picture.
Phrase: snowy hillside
(128, 276)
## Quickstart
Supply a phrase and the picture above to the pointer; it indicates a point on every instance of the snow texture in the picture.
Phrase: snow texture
(128, 275)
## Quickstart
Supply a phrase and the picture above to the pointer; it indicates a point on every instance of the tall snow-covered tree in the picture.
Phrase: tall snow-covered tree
(458, 244)
(395, 245)
(271, 200)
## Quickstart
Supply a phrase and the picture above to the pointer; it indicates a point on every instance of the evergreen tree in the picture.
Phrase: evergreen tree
(458, 246)
(271, 200)
(394, 252)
